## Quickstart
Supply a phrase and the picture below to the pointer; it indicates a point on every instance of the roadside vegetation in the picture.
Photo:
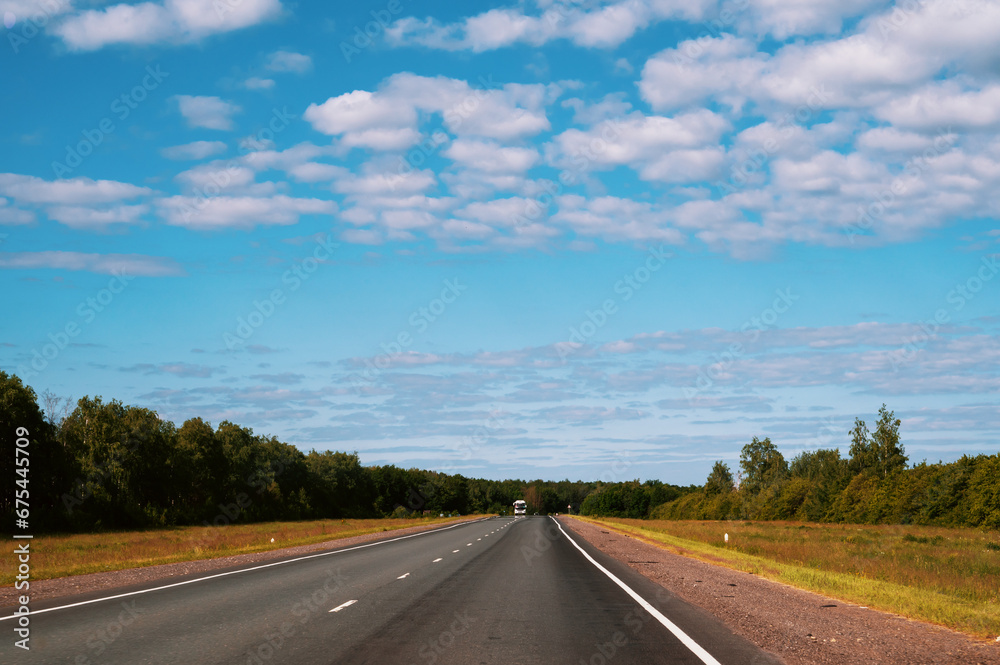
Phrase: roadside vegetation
(946, 576)
(873, 485)
(59, 555)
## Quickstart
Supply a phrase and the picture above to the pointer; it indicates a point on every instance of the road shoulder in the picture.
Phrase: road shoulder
(799, 626)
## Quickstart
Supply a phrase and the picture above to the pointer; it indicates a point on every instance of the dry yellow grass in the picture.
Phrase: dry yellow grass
(948, 576)
(61, 555)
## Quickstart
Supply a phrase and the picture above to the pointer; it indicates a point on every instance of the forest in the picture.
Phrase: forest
(106, 465)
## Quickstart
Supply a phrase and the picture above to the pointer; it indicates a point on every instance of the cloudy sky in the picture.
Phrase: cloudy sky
(539, 240)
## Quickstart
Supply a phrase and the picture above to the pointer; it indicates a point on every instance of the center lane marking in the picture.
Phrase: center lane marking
(436, 560)
(402, 576)
(455, 551)
(342, 606)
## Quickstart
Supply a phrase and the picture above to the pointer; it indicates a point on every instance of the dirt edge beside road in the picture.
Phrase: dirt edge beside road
(112, 579)
(798, 626)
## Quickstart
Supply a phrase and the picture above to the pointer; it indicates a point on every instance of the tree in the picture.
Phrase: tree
(762, 466)
(49, 467)
(720, 480)
(56, 408)
(338, 483)
(862, 455)
(202, 451)
(880, 452)
(127, 461)
(885, 441)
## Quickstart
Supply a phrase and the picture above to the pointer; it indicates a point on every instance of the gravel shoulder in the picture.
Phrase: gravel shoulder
(800, 627)
(77, 584)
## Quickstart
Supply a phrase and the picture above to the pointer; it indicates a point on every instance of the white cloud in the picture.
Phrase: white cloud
(491, 157)
(287, 61)
(239, 212)
(287, 159)
(362, 236)
(358, 110)
(387, 119)
(940, 106)
(185, 370)
(615, 219)
(216, 177)
(31, 189)
(723, 68)
(315, 172)
(612, 105)
(173, 21)
(14, 216)
(256, 83)
(673, 149)
(384, 139)
(786, 18)
(892, 52)
(32, 9)
(891, 139)
(686, 166)
(498, 212)
(601, 27)
(370, 182)
(208, 112)
(105, 264)
(193, 151)
(79, 217)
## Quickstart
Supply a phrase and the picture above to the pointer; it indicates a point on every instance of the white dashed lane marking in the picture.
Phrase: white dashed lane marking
(342, 606)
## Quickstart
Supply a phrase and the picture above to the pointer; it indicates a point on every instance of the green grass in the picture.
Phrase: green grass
(76, 554)
(945, 576)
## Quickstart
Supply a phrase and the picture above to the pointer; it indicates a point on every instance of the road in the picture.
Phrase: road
(490, 591)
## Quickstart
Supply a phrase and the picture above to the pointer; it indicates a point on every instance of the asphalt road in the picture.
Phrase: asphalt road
(491, 591)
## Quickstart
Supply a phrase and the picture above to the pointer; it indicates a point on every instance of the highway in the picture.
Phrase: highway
(496, 590)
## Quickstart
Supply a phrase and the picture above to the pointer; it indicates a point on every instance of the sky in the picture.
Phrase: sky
(549, 239)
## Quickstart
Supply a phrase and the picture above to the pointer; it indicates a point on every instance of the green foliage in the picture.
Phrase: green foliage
(872, 487)
(618, 500)
(720, 480)
(762, 465)
(880, 452)
(49, 468)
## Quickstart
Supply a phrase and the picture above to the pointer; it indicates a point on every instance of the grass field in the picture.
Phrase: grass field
(76, 554)
(946, 576)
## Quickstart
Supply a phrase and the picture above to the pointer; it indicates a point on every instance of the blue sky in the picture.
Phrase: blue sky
(538, 240)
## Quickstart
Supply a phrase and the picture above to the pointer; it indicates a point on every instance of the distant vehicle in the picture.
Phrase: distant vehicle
(520, 508)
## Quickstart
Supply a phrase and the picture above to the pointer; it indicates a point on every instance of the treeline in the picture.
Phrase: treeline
(631, 499)
(106, 465)
(872, 486)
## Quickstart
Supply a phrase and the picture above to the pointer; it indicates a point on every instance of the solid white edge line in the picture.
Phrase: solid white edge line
(342, 606)
(693, 646)
(236, 572)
